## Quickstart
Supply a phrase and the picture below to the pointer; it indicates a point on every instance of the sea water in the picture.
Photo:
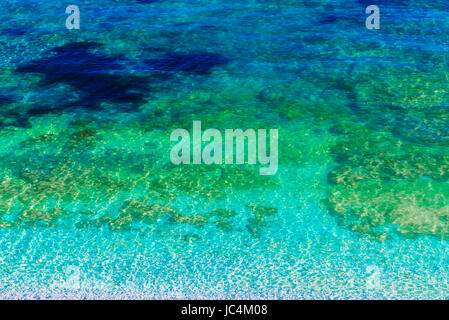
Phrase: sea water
(92, 207)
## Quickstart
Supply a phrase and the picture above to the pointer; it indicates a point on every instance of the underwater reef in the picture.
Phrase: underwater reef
(80, 164)
(392, 165)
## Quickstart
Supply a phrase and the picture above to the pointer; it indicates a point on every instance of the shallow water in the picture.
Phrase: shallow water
(91, 206)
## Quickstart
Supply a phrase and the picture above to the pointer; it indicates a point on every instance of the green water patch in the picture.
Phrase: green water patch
(412, 207)
(207, 181)
(89, 165)
(391, 144)
(48, 216)
(42, 192)
(383, 184)
(34, 205)
(42, 195)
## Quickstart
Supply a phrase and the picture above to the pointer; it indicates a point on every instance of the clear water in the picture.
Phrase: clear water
(91, 206)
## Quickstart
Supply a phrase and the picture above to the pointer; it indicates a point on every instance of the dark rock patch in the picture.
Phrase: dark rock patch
(5, 100)
(98, 77)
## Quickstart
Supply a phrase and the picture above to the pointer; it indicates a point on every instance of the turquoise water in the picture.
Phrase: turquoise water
(92, 207)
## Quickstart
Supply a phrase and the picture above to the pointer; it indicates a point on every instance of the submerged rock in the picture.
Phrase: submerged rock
(193, 219)
(132, 211)
(5, 100)
(257, 221)
(97, 76)
(36, 215)
(223, 213)
(224, 225)
(384, 185)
